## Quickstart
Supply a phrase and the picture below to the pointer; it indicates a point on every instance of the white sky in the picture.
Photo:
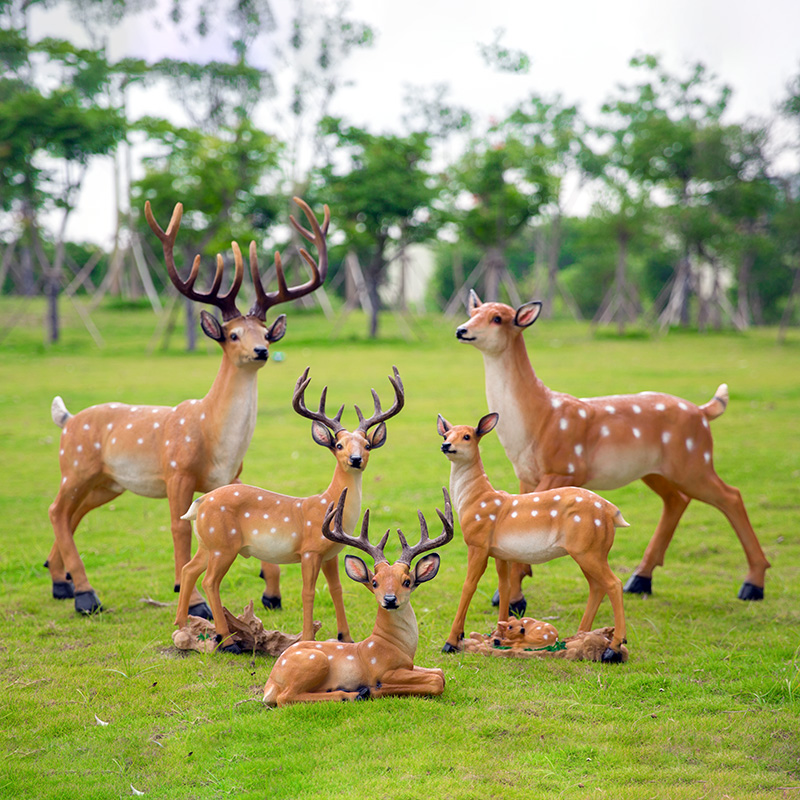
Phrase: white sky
(579, 49)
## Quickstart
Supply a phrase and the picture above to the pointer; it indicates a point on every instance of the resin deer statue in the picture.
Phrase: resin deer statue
(383, 664)
(528, 528)
(278, 529)
(554, 439)
(173, 452)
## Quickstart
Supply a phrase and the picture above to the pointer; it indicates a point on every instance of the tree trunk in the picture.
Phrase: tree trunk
(495, 263)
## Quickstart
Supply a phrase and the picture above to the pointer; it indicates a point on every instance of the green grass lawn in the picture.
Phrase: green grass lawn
(708, 705)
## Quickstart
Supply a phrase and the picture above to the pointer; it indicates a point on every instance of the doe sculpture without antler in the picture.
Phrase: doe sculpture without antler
(173, 452)
(528, 528)
(554, 439)
(278, 529)
(383, 664)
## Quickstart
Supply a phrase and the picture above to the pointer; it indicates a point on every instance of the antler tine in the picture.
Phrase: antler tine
(379, 415)
(265, 300)
(337, 534)
(299, 405)
(425, 544)
(227, 303)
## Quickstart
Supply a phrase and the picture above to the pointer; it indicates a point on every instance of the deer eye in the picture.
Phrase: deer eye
(497, 320)
(406, 582)
(368, 446)
(234, 337)
(374, 584)
(467, 437)
(339, 446)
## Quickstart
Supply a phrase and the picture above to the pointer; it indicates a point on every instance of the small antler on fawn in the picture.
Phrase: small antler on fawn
(554, 440)
(529, 528)
(278, 529)
(173, 452)
(382, 664)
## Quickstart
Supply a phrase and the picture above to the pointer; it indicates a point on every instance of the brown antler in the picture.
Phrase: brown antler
(381, 416)
(337, 534)
(299, 405)
(408, 554)
(227, 302)
(266, 300)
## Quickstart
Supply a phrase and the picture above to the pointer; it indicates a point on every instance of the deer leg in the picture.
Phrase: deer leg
(675, 502)
(713, 490)
(217, 568)
(180, 491)
(309, 568)
(477, 559)
(330, 569)
(415, 681)
(271, 573)
(189, 575)
(503, 570)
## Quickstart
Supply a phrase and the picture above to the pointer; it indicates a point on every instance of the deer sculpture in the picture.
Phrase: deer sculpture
(173, 452)
(278, 529)
(554, 440)
(528, 528)
(382, 664)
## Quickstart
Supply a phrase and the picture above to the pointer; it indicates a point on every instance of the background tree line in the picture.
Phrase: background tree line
(692, 220)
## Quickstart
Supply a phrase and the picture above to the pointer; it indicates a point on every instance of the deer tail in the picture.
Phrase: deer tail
(58, 411)
(620, 521)
(192, 512)
(717, 404)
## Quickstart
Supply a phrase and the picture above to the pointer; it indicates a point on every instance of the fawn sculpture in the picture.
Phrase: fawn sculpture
(554, 440)
(173, 452)
(278, 529)
(529, 528)
(382, 664)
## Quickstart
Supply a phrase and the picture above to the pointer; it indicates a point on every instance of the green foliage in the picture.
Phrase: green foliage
(707, 705)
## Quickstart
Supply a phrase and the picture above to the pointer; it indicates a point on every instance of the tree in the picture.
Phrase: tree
(382, 194)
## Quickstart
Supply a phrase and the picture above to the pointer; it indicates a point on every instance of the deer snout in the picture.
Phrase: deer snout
(390, 601)
(261, 352)
(356, 462)
(447, 448)
(462, 333)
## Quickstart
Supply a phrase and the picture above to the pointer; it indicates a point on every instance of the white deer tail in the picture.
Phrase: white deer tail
(192, 512)
(619, 520)
(717, 404)
(59, 413)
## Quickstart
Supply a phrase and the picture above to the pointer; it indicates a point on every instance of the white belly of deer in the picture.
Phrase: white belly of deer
(530, 548)
(277, 548)
(137, 473)
(617, 464)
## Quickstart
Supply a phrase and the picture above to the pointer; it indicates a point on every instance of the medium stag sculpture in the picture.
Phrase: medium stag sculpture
(555, 440)
(382, 664)
(278, 529)
(173, 452)
(528, 528)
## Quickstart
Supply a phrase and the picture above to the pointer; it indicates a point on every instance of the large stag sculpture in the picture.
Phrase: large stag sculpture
(555, 440)
(382, 664)
(530, 528)
(278, 529)
(173, 452)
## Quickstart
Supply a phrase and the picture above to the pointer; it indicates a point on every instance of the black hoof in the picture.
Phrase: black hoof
(271, 603)
(497, 642)
(201, 610)
(638, 584)
(448, 648)
(363, 693)
(611, 656)
(496, 598)
(87, 602)
(518, 607)
(751, 592)
(232, 648)
(63, 590)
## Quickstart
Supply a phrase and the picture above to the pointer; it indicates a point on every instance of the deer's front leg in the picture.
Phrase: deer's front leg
(330, 569)
(180, 491)
(415, 681)
(477, 558)
(309, 567)
(271, 599)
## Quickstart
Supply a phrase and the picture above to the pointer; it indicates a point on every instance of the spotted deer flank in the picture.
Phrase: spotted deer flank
(278, 529)
(530, 528)
(554, 440)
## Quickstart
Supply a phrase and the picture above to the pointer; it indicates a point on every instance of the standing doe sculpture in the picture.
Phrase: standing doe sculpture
(173, 452)
(553, 440)
(278, 529)
(382, 664)
(528, 528)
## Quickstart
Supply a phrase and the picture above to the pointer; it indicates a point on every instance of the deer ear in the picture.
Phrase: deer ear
(527, 314)
(426, 568)
(487, 424)
(473, 302)
(322, 435)
(277, 330)
(442, 425)
(357, 570)
(378, 437)
(211, 326)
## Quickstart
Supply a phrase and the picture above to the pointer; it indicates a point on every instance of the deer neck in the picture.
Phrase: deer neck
(231, 406)
(350, 480)
(397, 629)
(466, 480)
